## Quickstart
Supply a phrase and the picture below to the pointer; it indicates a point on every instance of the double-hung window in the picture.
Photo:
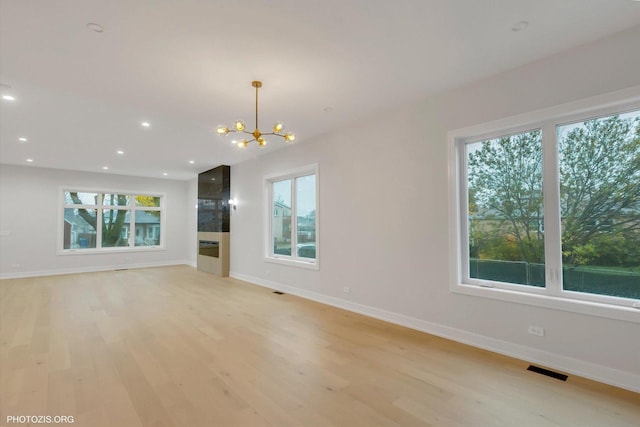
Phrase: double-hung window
(548, 210)
(100, 221)
(292, 213)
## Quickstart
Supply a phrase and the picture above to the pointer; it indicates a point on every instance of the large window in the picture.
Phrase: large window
(551, 209)
(96, 221)
(293, 220)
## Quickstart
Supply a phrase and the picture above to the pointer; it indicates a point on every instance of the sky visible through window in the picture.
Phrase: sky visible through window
(306, 194)
(306, 202)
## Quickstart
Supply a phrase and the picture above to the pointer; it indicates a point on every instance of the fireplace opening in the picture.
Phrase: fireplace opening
(209, 248)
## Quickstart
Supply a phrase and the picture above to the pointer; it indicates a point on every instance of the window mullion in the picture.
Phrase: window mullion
(552, 220)
(294, 219)
(271, 216)
(132, 225)
(99, 212)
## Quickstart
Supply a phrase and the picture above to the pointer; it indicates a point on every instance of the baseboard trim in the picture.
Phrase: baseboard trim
(58, 272)
(603, 374)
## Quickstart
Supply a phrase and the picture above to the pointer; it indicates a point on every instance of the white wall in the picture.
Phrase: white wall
(384, 217)
(29, 216)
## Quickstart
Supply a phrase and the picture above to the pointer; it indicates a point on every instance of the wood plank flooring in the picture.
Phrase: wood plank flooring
(173, 346)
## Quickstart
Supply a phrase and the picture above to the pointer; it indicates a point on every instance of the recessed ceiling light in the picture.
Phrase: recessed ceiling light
(192, 161)
(145, 124)
(105, 167)
(120, 152)
(8, 98)
(22, 139)
(30, 160)
(520, 26)
(165, 174)
(96, 28)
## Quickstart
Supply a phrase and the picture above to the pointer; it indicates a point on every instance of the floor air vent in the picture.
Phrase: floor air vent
(278, 293)
(552, 374)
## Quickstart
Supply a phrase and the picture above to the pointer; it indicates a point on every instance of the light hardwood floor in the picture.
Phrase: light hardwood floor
(173, 346)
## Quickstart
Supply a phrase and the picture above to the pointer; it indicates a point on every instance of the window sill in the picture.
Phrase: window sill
(103, 251)
(307, 265)
(609, 311)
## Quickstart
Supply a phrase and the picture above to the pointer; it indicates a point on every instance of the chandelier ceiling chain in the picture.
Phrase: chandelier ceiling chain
(258, 136)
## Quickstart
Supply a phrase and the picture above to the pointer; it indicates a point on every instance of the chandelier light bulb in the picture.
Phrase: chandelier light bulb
(289, 137)
(223, 130)
(262, 142)
(239, 126)
(243, 143)
(278, 127)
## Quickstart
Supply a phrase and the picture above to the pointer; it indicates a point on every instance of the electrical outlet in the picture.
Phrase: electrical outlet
(536, 330)
(346, 290)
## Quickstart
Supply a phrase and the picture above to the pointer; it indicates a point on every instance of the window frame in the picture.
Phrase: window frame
(291, 260)
(100, 207)
(552, 295)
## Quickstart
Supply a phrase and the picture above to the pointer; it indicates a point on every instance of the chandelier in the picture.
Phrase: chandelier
(258, 136)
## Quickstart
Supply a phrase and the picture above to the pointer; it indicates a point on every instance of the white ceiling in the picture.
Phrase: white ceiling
(186, 66)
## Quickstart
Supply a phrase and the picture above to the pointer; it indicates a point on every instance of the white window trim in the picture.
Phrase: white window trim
(269, 256)
(97, 251)
(552, 296)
